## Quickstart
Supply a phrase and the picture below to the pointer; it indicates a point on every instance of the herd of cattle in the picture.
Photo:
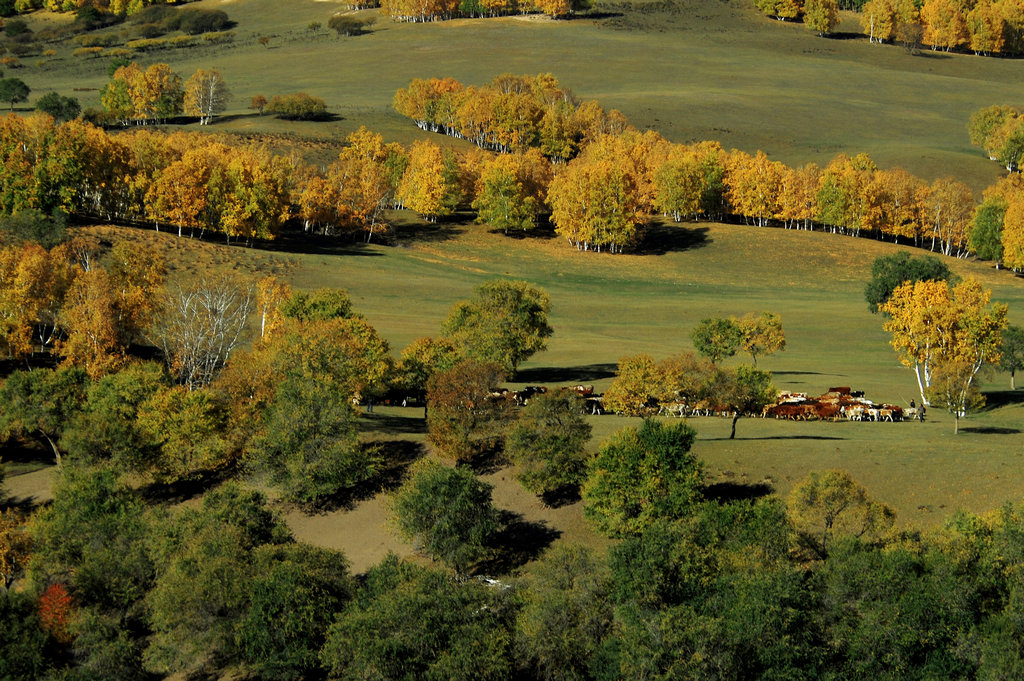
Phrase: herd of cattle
(839, 403)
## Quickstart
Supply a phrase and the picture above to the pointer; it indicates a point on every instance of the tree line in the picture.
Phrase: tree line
(596, 179)
(985, 27)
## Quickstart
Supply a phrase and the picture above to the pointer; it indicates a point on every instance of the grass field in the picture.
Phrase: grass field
(604, 307)
(689, 68)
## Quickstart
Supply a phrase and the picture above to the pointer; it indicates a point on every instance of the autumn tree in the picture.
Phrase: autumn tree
(153, 94)
(446, 512)
(945, 26)
(548, 442)
(935, 325)
(1011, 351)
(828, 505)
(954, 389)
(717, 338)
(506, 322)
(464, 418)
(881, 19)
(821, 16)
(780, 9)
(640, 475)
(637, 387)
(421, 359)
(425, 187)
(206, 94)
(186, 432)
(762, 334)
(512, 190)
(15, 546)
(594, 205)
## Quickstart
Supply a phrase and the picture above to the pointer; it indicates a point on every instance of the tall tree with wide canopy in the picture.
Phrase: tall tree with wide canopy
(505, 322)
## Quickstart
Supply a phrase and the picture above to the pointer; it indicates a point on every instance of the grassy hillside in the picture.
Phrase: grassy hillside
(688, 68)
(604, 307)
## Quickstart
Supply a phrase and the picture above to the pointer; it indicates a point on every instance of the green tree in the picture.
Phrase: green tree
(566, 613)
(106, 428)
(717, 338)
(464, 418)
(986, 239)
(548, 442)
(310, 447)
(446, 512)
(60, 107)
(422, 359)
(642, 474)
(505, 322)
(411, 622)
(187, 432)
(26, 650)
(205, 560)
(1012, 352)
(31, 225)
(13, 90)
(40, 403)
(825, 506)
(745, 391)
(890, 271)
(293, 597)
(638, 384)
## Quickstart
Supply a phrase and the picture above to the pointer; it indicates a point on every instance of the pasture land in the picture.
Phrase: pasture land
(691, 69)
(605, 307)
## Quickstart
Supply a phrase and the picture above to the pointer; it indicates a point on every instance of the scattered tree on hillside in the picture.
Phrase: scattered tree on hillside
(953, 388)
(1011, 351)
(13, 90)
(717, 338)
(934, 325)
(745, 391)
(825, 506)
(821, 16)
(299, 106)
(506, 322)
(762, 334)
(206, 94)
(446, 512)
(888, 272)
(548, 442)
(60, 107)
(640, 475)
(464, 418)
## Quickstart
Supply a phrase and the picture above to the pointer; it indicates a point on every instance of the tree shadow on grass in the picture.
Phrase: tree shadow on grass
(1002, 398)
(576, 374)
(414, 424)
(726, 492)
(991, 430)
(539, 233)
(661, 239)
(773, 437)
(315, 244)
(802, 373)
(517, 544)
(22, 504)
(489, 461)
(566, 495)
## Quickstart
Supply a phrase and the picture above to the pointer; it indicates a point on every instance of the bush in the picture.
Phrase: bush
(219, 37)
(155, 14)
(16, 27)
(196, 21)
(151, 30)
(87, 51)
(144, 45)
(548, 443)
(182, 41)
(349, 25)
(120, 55)
(11, 62)
(61, 108)
(103, 40)
(299, 106)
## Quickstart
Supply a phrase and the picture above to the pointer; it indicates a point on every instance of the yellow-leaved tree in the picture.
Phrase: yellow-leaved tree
(934, 325)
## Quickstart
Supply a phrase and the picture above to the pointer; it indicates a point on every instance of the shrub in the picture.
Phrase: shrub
(182, 41)
(154, 14)
(49, 53)
(61, 108)
(196, 21)
(15, 27)
(151, 30)
(349, 25)
(299, 106)
(219, 37)
(103, 40)
(25, 49)
(87, 51)
(144, 45)
(120, 55)
(11, 62)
